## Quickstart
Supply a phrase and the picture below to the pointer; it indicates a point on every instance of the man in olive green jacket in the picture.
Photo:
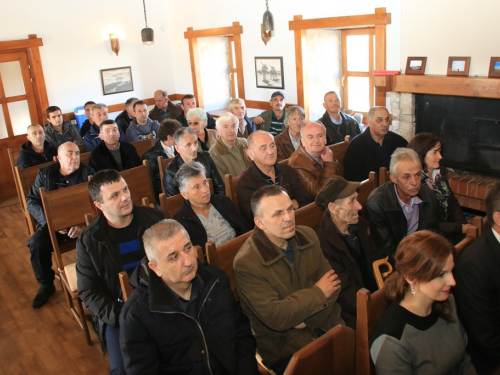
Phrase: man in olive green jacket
(287, 288)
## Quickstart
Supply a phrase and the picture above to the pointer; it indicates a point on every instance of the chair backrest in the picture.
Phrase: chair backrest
(65, 208)
(310, 215)
(380, 275)
(383, 176)
(338, 150)
(162, 165)
(85, 158)
(370, 308)
(366, 187)
(13, 156)
(144, 145)
(81, 147)
(230, 183)
(470, 237)
(139, 182)
(223, 257)
(332, 353)
(481, 223)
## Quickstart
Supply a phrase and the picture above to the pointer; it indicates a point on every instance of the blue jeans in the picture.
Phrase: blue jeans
(114, 353)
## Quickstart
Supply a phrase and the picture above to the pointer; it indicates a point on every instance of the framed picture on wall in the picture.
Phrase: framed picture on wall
(269, 72)
(117, 80)
(458, 66)
(416, 65)
(494, 71)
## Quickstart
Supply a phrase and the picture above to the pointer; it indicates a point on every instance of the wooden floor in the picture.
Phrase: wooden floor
(43, 341)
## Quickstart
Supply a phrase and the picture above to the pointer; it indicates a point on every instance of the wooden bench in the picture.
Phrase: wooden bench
(162, 165)
(310, 215)
(230, 184)
(144, 145)
(366, 187)
(140, 185)
(338, 150)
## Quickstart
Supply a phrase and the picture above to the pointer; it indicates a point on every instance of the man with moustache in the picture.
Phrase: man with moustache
(272, 120)
(110, 244)
(37, 150)
(66, 172)
(245, 125)
(287, 288)
(264, 171)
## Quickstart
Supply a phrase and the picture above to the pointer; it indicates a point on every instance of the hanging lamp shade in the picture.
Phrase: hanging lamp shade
(268, 21)
(148, 36)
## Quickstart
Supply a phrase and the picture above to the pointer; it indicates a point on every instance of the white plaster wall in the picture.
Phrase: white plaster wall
(444, 28)
(76, 45)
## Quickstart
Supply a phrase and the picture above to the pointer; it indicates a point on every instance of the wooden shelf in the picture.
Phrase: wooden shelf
(480, 87)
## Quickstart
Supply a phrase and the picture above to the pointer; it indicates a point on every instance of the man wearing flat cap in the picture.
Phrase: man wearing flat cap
(272, 120)
(346, 242)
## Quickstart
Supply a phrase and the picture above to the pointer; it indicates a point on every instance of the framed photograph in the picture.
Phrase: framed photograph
(269, 72)
(494, 68)
(458, 66)
(416, 65)
(117, 80)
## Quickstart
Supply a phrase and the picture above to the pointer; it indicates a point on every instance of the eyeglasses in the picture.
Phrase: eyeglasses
(195, 123)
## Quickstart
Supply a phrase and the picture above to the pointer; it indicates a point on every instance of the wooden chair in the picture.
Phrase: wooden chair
(65, 208)
(13, 156)
(383, 176)
(310, 215)
(470, 237)
(481, 223)
(25, 179)
(230, 183)
(332, 353)
(379, 275)
(366, 187)
(223, 257)
(81, 147)
(170, 205)
(370, 308)
(162, 165)
(338, 150)
(139, 182)
(144, 145)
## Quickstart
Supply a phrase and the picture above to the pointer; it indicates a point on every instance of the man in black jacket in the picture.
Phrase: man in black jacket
(37, 150)
(182, 317)
(186, 144)
(112, 153)
(188, 102)
(124, 119)
(109, 245)
(66, 172)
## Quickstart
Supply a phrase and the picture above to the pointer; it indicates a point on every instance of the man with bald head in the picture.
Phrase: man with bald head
(263, 171)
(66, 172)
(37, 150)
(337, 124)
(164, 108)
(313, 160)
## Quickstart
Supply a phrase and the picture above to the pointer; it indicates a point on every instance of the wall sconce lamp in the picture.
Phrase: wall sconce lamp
(147, 34)
(267, 26)
(115, 43)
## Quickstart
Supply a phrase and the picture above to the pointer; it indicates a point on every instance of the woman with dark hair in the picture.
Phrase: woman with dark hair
(429, 147)
(420, 333)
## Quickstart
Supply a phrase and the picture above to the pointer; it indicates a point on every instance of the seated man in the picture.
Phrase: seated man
(88, 122)
(189, 102)
(110, 244)
(229, 152)
(98, 113)
(186, 144)
(164, 108)
(142, 126)
(245, 125)
(346, 242)
(111, 153)
(313, 160)
(124, 119)
(287, 288)
(401, 206)
(272, 120)
(206, 217)
(37, 150)
(264, 171)
(337, 124)
(58, 131)
(170, 324)
(372, 149)
(66, 172)
(478, 289)
(164, 147)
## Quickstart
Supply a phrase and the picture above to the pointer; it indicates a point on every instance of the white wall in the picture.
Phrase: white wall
(444, 28)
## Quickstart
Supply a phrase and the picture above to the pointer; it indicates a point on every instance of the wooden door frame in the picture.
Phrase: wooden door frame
(380, 19)
(31, 46)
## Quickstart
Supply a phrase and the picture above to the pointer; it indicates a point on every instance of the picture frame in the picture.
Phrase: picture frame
(494, 71)
(415, 65)
(269, 72)
(117, 80)
(458, 66)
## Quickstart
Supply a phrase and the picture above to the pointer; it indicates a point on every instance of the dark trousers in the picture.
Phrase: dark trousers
(113, 347)
(41, 256)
